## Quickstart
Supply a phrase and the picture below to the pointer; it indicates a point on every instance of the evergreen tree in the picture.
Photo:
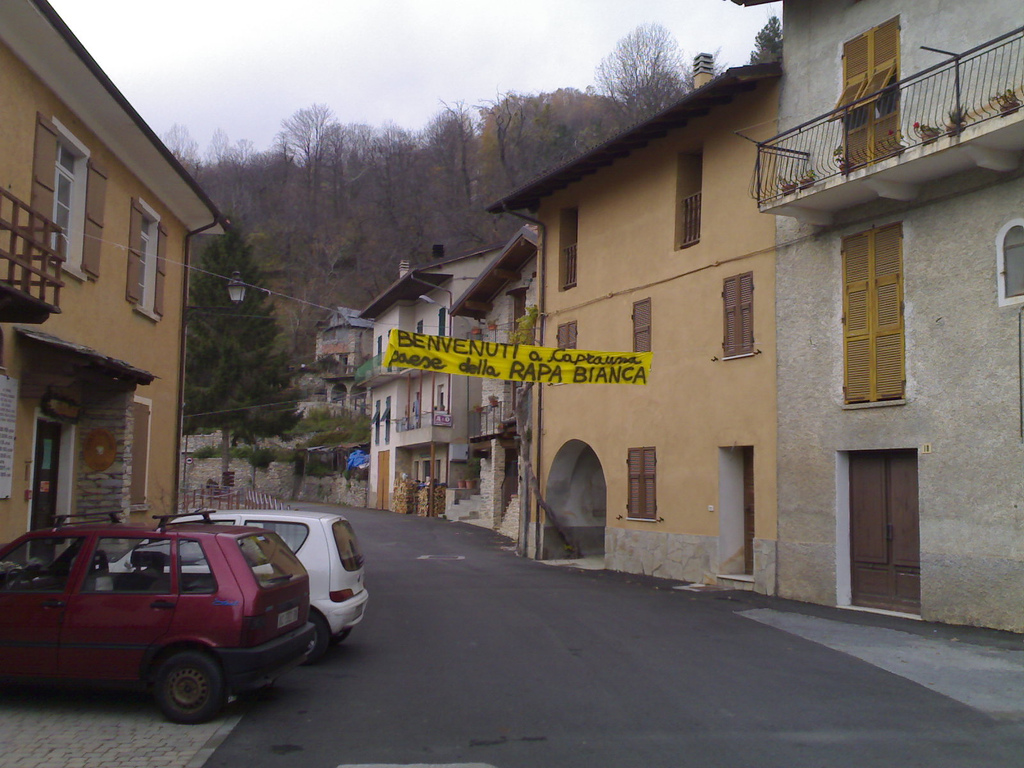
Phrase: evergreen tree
(768, 43)
(236, 371)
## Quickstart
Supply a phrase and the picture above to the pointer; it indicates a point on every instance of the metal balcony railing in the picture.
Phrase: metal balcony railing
(487, 420)
(985, 83)
(569, 261)
(31, 252)
(689, 220)
(372, 368)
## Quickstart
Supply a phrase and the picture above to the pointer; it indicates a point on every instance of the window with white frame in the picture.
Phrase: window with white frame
(1010, 262)
(145, 267)
(70, 188)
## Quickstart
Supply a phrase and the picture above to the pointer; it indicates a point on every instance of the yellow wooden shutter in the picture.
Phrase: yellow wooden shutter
(856, 67)
(873, 315)
(888, 311)
(856, 272)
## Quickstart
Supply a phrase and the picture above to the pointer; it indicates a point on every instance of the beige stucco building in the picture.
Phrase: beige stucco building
(652, 242)
(95, 222)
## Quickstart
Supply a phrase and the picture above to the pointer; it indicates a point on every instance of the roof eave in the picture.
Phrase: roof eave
(694, 104)
(45, 44)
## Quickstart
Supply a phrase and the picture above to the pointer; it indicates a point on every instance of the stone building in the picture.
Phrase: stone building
(898, 192)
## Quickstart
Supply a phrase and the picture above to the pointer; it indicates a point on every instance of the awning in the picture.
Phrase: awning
(109, 366)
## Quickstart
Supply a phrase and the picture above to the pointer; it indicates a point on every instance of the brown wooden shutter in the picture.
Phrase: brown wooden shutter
(95, 205)
(650, 463)
(161, 270)
(738, 304)
(133, 292)
(561, 336)
(44, 166)
(642, 326)
(642, 465)
(571, 340)
(140, 452)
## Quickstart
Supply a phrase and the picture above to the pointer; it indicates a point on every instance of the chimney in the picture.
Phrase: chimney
(438, 251)
(703, 69)
(403, 268)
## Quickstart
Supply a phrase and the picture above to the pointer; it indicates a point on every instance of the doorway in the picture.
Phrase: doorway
(45, 474)
(885, 556)
(736, 510)
(384, 480)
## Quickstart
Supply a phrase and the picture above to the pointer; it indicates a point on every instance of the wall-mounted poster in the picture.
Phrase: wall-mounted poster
(8, 418)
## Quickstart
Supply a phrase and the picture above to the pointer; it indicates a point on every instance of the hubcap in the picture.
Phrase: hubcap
(189, 688)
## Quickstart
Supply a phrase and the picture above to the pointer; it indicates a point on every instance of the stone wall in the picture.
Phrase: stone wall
(109, 489)
(279, 480)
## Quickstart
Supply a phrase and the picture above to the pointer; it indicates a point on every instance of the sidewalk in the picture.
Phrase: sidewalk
(81, 728)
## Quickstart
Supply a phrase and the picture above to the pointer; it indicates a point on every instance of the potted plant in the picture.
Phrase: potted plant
(1008, 101)
(808, 178)
(787, 185)
(957, 120)
(843, 163)
(927, 132)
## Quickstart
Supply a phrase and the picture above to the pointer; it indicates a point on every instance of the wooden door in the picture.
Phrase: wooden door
(885, 549)
(46, 470)
(384, 480)
(748, 510)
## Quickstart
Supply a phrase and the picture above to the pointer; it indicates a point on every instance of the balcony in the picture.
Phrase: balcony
(494, 420)
(689, 219)
(372, 370)
(961, 114)
(31, 259)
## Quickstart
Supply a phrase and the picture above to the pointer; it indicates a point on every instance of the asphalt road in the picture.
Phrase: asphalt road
(470, 655)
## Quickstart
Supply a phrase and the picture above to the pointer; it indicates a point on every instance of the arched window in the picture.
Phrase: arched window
(1010, 250)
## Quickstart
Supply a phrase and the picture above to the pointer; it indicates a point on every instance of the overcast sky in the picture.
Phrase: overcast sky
(245, 65)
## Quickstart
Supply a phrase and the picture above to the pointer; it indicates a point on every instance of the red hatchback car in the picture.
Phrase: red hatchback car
(196, 612)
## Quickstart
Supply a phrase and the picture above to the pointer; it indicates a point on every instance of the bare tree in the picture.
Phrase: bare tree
(644, 74)
(183, 147)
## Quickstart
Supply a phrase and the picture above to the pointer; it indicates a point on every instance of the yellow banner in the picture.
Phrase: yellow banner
(515, 362)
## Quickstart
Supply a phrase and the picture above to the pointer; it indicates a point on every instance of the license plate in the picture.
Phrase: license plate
(286, 618)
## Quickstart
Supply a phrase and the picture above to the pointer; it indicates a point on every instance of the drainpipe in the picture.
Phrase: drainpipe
(187, 260)
(524, 523)
(1020, 368)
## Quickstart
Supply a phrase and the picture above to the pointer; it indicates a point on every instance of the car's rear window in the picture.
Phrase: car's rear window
(294, 534)
(348, 545)
(270, 559)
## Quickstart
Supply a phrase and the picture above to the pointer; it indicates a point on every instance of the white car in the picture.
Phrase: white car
(329, 550)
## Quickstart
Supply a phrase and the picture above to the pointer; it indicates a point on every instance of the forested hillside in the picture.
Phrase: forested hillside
(331, 209)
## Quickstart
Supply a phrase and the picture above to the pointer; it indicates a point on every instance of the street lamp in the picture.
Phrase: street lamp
(236, 288)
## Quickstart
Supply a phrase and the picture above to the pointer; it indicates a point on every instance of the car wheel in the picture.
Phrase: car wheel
(322, 638)
(189, 687)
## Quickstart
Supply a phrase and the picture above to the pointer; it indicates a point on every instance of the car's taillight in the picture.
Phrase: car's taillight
(341, 595)
(251, 626)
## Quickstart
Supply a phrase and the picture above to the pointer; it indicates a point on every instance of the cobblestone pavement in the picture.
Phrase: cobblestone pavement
(81, 728)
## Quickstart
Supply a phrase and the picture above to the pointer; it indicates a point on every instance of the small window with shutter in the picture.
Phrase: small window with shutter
(738, 301)
(566, 336)
(873, 315)
(643, 501)
(642, 326)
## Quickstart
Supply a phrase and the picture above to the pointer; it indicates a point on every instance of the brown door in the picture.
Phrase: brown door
(44, 476)
(748, 510)
(383, 480)
(884, 542)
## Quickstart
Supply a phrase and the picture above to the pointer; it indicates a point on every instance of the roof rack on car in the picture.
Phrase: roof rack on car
(59, 521)
(164, 519)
